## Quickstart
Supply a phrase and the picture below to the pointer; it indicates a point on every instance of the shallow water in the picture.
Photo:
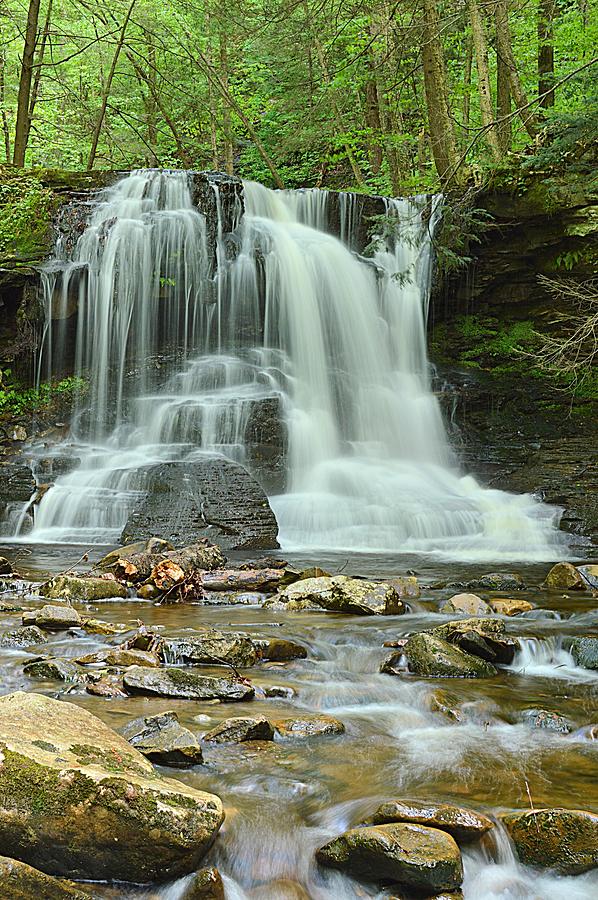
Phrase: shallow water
(285, 799)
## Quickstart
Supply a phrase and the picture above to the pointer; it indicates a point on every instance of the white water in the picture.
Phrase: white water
(178, 357)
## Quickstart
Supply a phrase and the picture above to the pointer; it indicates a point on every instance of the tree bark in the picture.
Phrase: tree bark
(504, 47)
(38, 69)
(546, 14)
(442, 131)
(24, 96)
(226, 116)
(5, 128)
(108, 87)
(467, 80)
(480, 43)
(504, 127)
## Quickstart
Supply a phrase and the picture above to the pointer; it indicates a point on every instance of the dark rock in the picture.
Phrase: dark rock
(211, 647)
(5, 566)
(185, 685)
(584, 651)
(394, 663)
(431, 656)
(550, 721)
(279, 650)
(23, 637)
(241, 729)
(418, 857)
(308, 726)
(54, 670)
(562, 839)
(493, 581)
(462, 823)
(486, 638)
(163, 740)
(205, 885)
(279, 690)
(17, 484)
(212, 498)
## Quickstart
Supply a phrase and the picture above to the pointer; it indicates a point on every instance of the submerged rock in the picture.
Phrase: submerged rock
(71, 587)
(561, 839)
(493, 581)
(584, 651)
(548, 720)
(241, 729)
(432, 656)
(565, 576)
(185, 685)
(206, 884)
(422, 858)
(589, 575)
(468, 604)
(462, 823)
(23, 637)
(77, 799)
(163, 740)
(312, 726)
(22, 882)
(55, 670)
(279, 650)
(211, 647)
(53, 618)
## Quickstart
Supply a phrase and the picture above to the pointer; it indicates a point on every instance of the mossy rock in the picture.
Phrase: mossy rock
(70, 587)
(76, 799)
(460, 822)
(565, 840)
(584, 651)
(21, 882)
(178, 683)
(416, 856)
(431, 656)
(565, 576)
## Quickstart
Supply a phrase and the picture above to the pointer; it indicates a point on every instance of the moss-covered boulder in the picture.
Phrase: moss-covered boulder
(584, 651)
(486, 638)
(341, 594)
(239, 729)
(416, 856)
(462, 823)
(562, 839)
(565, 577)
(432, 656)
(71, 587)
(21, 882)
(54, 670)
(76, 799)
(184, 685)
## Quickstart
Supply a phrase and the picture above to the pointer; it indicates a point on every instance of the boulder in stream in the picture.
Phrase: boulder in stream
(462, 823)
(507, 606)
(468, 604)
(562, 839)
(431, 656)
(206, 884)
(85, 589)
(22, 882)
(240, 729)
(5, 566)
(53, 618)
(280, 650)
(342, 594)
(76, 799)
(23, 637)
(547, 720)
(211, 497)
(164, 740)
(308, 726)
(486, 638)
(584, 651)
(211, 648)
(590, 576)
(185, 685)
(418, 857)
(565, 577)
(55, 670)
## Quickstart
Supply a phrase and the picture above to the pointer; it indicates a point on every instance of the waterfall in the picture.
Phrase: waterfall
(180, 353)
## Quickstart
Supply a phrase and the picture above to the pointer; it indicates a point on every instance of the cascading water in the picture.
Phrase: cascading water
(178, 355)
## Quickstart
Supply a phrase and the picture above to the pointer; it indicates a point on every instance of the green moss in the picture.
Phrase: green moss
(26, 211)
(29, 785)
(16, 400)
(89, 755)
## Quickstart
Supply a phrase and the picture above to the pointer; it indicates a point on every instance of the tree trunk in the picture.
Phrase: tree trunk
(108, 87)
(38, 69)
(5, 128)
(504, 47)
(480, 43)
(504, 127)
(442, 131)
(467, 80)
(546, 14)
(212, 97)
(226, 116)
(24, 97)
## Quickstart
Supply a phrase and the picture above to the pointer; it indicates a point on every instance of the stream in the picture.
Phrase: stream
(284, 799)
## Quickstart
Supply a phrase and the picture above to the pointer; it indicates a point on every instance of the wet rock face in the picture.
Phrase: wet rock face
(215, 647)
(23, 637)
(485, 638)
(418, 857)
(308, 726)
(77, 799)
(548, 720)
(343, 594)
(21, 882)
(564, 576)
(163, 740)
(238, 730)
(584, 651)
(432, 656)
(185, 685)
(463, 824)
(212, 498)
(561, 839)
(216, 194)
(70, 587)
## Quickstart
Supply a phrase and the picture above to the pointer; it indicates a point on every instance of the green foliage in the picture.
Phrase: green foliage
(569, 140)
(25, 214)
(16, 400)
(462, 225)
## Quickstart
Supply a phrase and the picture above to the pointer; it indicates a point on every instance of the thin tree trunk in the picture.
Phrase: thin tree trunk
(442, 131)
(107, 88)
(546, 14)
(226, 116)
(467, 80)
(480, 43)
(212, 98)
(5, 128)
(504, 126)
(24, 97)
(151, 108)
(504, 47)
(38, 69)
